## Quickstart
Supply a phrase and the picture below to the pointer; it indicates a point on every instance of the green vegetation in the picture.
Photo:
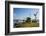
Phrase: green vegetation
(28, 19)
(27, 23)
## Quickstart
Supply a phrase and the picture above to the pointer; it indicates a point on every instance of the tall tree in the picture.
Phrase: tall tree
(35, 15)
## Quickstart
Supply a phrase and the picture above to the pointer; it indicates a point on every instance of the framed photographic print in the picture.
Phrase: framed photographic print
(24, 17)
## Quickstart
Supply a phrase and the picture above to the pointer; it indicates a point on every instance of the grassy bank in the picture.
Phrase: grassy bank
(27, 24)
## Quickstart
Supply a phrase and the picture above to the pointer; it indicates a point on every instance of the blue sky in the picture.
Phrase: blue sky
(22, 13)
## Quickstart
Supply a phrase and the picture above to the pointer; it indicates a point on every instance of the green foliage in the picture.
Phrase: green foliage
(34, 21)
(28, 19)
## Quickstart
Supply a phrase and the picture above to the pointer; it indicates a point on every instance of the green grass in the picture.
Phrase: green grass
(28, 24)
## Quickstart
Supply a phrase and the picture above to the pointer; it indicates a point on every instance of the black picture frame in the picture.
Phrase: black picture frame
(7, 16)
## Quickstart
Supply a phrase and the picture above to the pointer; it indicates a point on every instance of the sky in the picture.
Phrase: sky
(23, 13)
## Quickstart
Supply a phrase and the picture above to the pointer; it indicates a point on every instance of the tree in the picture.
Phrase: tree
(28, 19)
(35, 15)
